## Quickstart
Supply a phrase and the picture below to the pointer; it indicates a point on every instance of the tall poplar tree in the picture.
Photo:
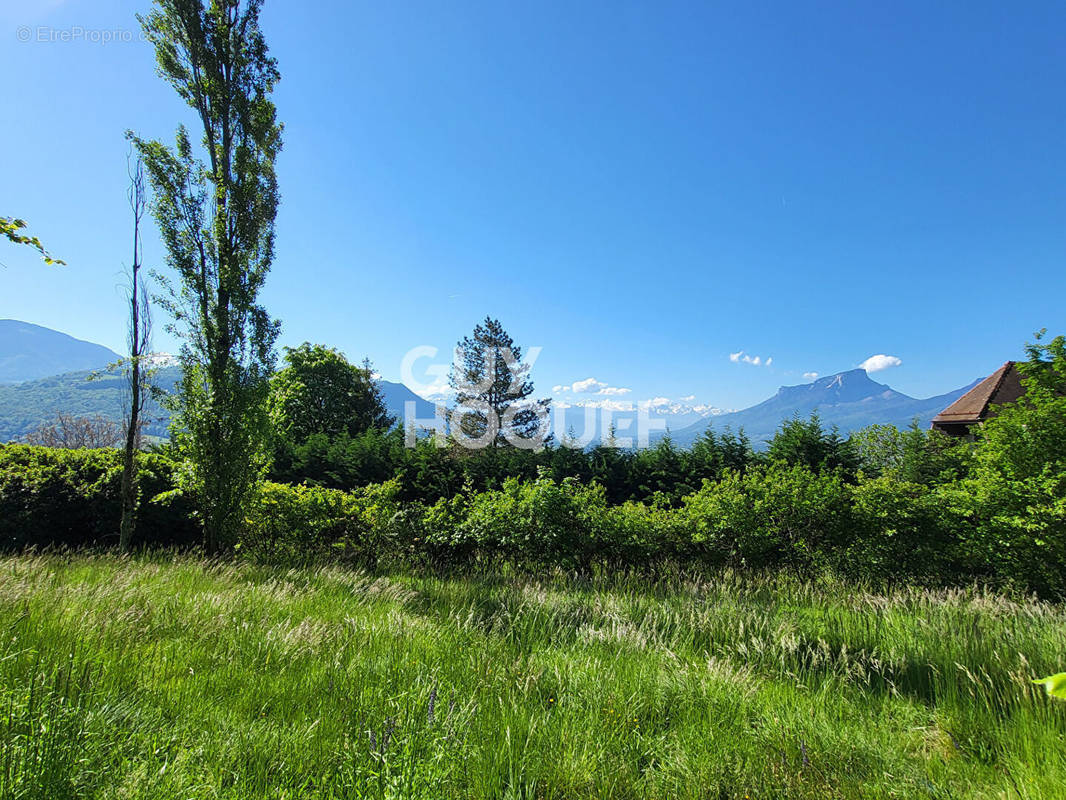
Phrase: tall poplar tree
(216, 218)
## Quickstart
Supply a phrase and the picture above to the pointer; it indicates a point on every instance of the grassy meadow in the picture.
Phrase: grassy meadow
(156, 677)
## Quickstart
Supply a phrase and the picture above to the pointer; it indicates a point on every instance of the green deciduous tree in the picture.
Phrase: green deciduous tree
(918, 456)
(217, 224)
(1019, 475)
(320, 392)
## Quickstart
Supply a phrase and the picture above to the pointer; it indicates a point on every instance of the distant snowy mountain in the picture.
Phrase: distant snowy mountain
(43, 372)
(591, 421)
(850, 400)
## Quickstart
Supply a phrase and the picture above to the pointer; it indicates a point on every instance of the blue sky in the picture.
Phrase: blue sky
(642, 189)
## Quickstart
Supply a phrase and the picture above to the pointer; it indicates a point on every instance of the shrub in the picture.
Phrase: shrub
(641, 535)
(771, 516)
(902, 529)
(295, 523)
(308, 523)
(537, 521)
(55, 497)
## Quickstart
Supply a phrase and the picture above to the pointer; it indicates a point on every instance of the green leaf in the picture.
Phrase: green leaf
(1055, 685)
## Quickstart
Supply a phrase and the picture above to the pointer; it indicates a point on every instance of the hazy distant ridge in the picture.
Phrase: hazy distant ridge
(851, 400)
(43, 372)
(28, 352)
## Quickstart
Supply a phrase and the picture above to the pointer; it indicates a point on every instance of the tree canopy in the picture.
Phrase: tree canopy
(216, 220)
(320, 392)
(494, 390)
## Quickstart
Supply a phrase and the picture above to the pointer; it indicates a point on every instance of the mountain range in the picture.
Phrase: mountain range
(43, 372)
(850, 400)
(30, 351)
(25, 406)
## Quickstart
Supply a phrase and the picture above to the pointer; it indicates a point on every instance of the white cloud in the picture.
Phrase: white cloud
(592, 386)
(688, 398)
(810, 375)
(586, 385)
(437, 391)
(880, 362)
(756, 361)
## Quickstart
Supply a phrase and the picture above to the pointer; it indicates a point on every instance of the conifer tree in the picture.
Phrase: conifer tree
(494, 391)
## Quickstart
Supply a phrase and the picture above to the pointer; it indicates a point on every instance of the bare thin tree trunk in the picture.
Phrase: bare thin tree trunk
(139, 340)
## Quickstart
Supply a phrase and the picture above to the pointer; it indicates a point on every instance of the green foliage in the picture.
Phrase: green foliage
(71, 498)
(642, 536)
(1054, 684)
(11, 229)
(661, 474)
(341, 462)
(905, 530)
(714, 453)
(805, 443)
(774, 515)
(319, 392)
(920, 456)
(539, 521)
(491, 380)
(216, 220)
(299, 524)
(1018, 485)
(428, 473)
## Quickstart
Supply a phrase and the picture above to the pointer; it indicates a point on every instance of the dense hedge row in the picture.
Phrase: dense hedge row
(51, 497)
(772, 516)
(913, 510)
